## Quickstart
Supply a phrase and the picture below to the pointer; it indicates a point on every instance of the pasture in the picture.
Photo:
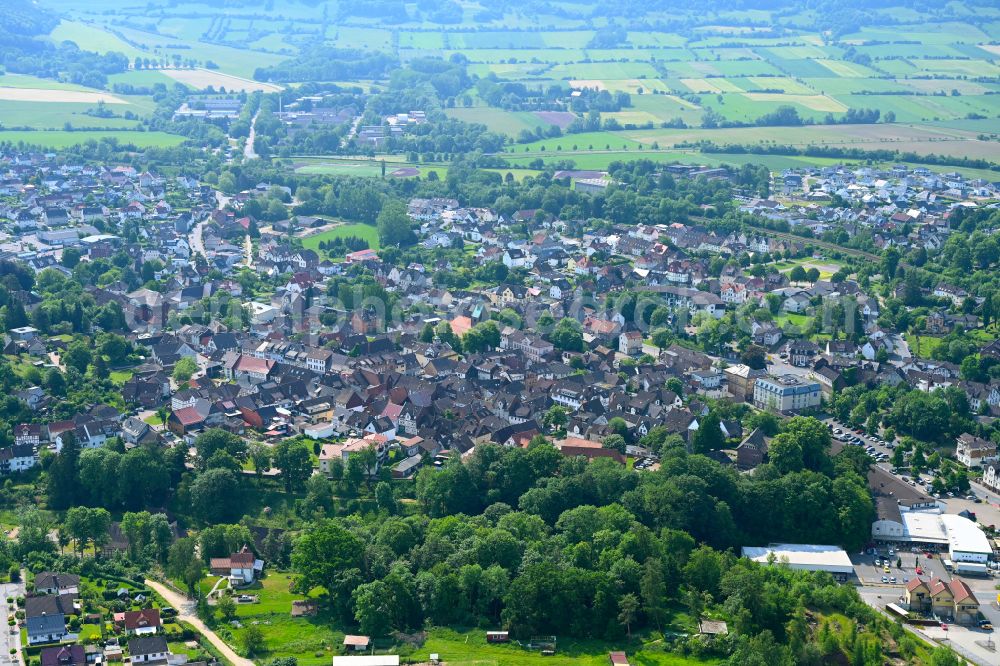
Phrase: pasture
(63, 139)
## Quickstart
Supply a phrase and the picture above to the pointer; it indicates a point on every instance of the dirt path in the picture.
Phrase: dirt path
(185, 610)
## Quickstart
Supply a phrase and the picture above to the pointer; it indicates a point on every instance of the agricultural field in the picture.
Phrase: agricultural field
(922, 69)
(203, 78)
(937, 138)
(63, 139)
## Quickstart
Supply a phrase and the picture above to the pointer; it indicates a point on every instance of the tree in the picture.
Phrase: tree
(797, 274)
(653, 590)
(253, 640)
(568, 335)
(323, 553)
(183, 563)
(555, 418)
(226, 607)
(184, 369)
(890, 261)
(216, 495)
(70, 257)
(708, 436)
(216, 439)
(628, 607)
(371, 608)
(384, 497)
(755, 356)
(394, 225)
(78, 355)
(785, 453)
(260, 456)
(61, 488)
(614, 442)
(294, 460)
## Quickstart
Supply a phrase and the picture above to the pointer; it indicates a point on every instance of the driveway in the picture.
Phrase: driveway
(10, 637)
(186, 611)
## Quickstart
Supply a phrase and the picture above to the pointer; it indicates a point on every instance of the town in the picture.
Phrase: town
(624, 342)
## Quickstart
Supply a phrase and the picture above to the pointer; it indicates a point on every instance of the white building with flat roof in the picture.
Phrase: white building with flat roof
(966, 541)
(807, 557)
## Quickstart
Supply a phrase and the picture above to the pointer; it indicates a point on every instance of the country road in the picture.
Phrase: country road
(185, 610)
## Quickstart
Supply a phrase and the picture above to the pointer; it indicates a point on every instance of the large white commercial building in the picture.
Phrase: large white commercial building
(786, 394)
(927, 526)
(808, 557)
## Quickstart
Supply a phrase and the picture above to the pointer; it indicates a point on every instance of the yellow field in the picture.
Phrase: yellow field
(58, 96)
(203, 78)
(814, 102)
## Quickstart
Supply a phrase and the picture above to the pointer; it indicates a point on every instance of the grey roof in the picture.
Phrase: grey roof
(46, 624)
(147, 645)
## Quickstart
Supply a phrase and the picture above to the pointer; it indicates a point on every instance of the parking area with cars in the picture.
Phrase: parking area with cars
(887, 565)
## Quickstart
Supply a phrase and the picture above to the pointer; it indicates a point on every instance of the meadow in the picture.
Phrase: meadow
(62, 139)
(363, 231)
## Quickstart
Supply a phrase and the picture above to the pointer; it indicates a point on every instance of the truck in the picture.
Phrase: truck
(969, 569)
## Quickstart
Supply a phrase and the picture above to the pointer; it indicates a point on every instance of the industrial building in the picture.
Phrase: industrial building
(807, 557)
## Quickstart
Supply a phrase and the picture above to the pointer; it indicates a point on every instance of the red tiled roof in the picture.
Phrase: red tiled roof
(188, 416)
(961, 591)
(260, 366)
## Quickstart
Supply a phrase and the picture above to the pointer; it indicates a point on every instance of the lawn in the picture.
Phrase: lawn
(922, 346)
(306, 638)
(800, 321)
(119, 377)
(153, 420)
(364, 231)
(467, 648)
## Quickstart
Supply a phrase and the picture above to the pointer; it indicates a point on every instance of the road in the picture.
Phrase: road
(10, 638)
(195, 237)
(248, 151)
(185, 609)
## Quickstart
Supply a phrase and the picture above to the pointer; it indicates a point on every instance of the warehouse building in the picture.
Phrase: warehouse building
(807, 557)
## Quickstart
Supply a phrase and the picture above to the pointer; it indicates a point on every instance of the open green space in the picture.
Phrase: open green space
(63, 139)
(363, 231)
(922, 346)
(470, 647)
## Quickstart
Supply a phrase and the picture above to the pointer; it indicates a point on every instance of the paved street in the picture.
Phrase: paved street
(11, 636)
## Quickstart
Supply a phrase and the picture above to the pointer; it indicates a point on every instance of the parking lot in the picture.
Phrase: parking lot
(10, 638)
(871, 574)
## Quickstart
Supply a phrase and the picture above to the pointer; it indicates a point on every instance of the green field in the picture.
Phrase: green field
(498, 120)
(468, 648)
(364, 231)
(62, 139)
(921, 138)
(922, 346)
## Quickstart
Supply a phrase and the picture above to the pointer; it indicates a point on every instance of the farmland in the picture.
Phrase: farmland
(724, 65)
(64, 139)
